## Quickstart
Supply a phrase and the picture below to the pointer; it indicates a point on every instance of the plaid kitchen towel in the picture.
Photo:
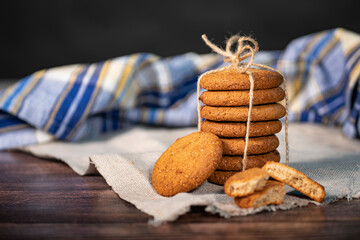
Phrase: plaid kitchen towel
(81, 101)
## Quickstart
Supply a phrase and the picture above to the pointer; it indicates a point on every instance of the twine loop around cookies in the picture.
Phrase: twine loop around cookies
(243, 51)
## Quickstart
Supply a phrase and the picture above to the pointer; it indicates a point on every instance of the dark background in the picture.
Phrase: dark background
(40, 34)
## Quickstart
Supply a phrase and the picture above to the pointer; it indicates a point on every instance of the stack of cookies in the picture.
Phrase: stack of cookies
(226, 111)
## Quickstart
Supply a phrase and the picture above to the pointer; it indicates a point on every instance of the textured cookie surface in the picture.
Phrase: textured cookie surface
(239, 114)
(219, 177)
(273, 193)
(187, 163)
(234, 163)
(238, 129)
(231, 79)
(258, 145)
(240, 98)
(245, 183)
(295, 179)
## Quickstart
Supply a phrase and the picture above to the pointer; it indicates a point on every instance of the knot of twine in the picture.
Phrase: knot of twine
(242, 52)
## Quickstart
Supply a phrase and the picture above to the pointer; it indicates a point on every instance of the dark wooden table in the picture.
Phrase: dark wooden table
(43, 199)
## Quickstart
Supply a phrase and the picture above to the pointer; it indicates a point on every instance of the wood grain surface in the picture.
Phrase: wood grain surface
(43, 199)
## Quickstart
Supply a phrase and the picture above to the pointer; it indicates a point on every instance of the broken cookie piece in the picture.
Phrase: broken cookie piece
(273, 193)
(295, 179)
(246, 182)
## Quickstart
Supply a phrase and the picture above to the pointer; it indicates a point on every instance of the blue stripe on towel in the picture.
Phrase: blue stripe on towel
(60, 115)
(84, 101)
(16, 91)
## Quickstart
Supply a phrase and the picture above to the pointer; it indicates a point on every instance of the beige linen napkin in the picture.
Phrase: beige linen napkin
(126, 160)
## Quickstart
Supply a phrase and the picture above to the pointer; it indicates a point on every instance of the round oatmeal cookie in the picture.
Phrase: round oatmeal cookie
(257, 145)
(231, 79)
(241, 98)
(187, 163)
(234, 163)
(239, 114)
(238, 129)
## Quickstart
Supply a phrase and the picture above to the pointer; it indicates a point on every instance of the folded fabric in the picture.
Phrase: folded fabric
(81, 101)
(323, 71)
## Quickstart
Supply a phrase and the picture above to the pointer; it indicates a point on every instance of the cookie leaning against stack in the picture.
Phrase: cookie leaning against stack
(187, 163)
(226, 111)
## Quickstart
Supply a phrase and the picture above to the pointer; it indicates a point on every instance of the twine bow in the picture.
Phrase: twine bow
(243, 51)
